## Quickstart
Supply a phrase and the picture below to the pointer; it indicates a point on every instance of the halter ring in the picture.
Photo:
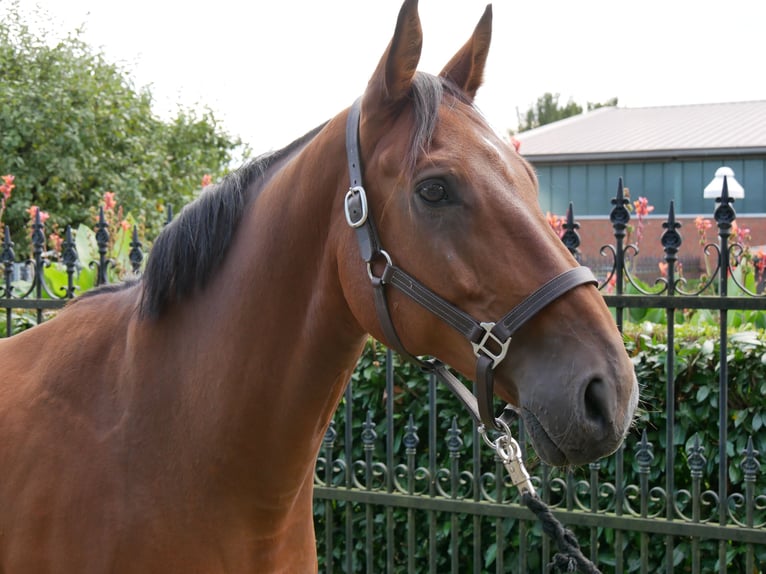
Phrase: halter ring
(386, 256)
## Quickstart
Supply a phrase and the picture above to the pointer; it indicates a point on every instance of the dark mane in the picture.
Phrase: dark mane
(189, 250)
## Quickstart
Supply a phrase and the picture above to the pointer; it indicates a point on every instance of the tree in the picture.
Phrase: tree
(73, 126)
(610, 103)
(547, 110)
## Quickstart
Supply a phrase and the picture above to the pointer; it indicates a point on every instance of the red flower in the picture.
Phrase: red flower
(206, 180)
(109, 201)
(702, 224)
(663, 268)
(7, 187)
(741, 233)
(760, 262)
(612, 283)
(56, 241)
(556, 223)
(642, 207)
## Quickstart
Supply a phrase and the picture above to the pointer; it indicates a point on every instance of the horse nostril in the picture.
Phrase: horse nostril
(597, 402)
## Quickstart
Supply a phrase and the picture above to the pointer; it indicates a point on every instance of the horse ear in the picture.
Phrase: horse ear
(390, 84)
(466, 68)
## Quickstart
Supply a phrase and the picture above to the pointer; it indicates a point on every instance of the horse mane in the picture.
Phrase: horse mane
(191, 248)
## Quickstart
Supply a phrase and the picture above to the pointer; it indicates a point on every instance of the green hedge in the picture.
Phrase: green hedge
(696, 405)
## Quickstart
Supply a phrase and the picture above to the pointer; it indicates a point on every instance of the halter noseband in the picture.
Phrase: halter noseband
(489, 340)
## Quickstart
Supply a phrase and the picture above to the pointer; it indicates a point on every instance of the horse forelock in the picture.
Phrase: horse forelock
(191, 248)
(428, 93)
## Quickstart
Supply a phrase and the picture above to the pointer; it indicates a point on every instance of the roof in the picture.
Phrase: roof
(646, 133)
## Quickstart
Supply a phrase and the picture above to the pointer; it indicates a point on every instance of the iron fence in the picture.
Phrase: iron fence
(397, 498)
(403, 483)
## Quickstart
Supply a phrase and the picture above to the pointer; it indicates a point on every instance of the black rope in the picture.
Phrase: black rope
(569, 557)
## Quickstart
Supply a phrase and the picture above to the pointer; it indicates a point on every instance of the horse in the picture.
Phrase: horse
(172, 424)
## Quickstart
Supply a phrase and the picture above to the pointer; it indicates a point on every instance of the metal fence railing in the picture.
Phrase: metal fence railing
(409, 487)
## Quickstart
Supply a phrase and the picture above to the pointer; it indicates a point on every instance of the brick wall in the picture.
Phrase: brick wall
(596, 232)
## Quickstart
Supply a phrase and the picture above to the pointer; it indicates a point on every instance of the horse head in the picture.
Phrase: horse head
(456, 207)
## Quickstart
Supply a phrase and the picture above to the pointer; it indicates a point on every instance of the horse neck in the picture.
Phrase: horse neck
(290, 339)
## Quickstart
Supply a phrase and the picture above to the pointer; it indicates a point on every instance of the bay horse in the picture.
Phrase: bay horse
(172, 425)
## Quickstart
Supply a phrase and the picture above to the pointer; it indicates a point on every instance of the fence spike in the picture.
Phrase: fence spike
(750, 464)
(136, 254)
(696, 459)
(410, 438)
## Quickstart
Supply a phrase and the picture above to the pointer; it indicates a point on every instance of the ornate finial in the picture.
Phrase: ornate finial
(671, 239)
(38, 236)
(69, 258)
(330, 435)
(410, 438)
(571, 238)
(750, 464)
(136, 254)
(696, 460)
(7, 255)
(644, 454)
(620, 216)
(102, 240)
(69, 251)
(454, 440)
(368, 432)
(7, 258)
(102, 232)
(724, 214)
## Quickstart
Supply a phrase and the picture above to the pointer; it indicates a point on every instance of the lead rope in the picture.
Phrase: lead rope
(569, 557)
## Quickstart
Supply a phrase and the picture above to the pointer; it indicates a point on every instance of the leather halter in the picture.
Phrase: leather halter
(489, 340)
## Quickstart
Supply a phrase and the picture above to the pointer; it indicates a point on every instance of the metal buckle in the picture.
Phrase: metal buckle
(356, 190)
(481, 346)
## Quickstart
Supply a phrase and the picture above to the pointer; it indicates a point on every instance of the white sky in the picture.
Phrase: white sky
(272, 70)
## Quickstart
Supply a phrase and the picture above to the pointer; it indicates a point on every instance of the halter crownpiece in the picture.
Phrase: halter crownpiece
(489, 340)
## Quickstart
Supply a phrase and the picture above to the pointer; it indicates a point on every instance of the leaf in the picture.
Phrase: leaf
(746, 338)
(85, 242)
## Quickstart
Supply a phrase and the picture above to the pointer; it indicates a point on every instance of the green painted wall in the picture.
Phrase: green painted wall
(590, 186)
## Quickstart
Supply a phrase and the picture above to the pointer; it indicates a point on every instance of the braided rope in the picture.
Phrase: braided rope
(569, 557)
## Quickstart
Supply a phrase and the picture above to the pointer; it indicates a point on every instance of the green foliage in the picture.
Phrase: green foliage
(610, 103)
(73, 126)
(547, 110)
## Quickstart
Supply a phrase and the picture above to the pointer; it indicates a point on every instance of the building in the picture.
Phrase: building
(662, 153)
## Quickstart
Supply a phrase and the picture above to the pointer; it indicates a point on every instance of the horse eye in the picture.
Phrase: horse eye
(433, 191)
